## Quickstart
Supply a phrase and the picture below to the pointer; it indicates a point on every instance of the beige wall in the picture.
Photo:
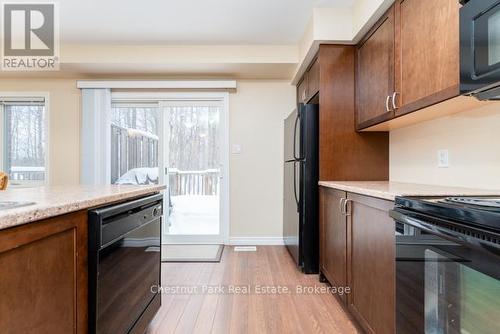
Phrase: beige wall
(472, 139)
(257, 111)
(64, 123)
(256, 115)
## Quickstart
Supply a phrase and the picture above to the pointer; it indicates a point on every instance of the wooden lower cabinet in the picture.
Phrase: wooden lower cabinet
(371, 263)
(357, 249)
(333, 238)
(43, 276)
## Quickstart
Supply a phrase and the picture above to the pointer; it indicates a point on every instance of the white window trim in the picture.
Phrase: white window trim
(157, 84)
(223, 97)
(28, 94)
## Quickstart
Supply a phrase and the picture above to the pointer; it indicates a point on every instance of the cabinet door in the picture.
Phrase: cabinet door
(43, 276)
(375, 73)
(313, 80)
(302, 90)
(427, 53)
(333, 238)
(371, 274)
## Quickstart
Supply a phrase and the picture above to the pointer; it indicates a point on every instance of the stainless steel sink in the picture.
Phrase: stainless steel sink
(5, 205)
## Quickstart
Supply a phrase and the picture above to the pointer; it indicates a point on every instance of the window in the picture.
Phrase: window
(23, 143)
(134, 143)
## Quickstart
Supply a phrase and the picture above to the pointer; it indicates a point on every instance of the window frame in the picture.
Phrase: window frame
(27, 95)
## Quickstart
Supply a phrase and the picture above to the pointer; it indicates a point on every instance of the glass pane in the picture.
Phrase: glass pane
(458, 297)
(494, 39)
(24, 157)
(481, 302)
(134, 145)
(194, 169)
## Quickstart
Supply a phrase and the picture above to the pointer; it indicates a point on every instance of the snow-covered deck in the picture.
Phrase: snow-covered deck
(194, 214)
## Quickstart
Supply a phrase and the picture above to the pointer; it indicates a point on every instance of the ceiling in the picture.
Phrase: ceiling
(187, 21)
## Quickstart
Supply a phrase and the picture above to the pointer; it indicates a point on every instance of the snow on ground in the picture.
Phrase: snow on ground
(194, 214)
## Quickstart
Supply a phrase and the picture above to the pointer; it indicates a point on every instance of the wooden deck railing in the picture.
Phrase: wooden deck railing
(205, 182)
(27, 173)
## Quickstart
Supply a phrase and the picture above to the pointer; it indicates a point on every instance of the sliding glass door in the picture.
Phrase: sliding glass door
(193, 164)
(180, 140)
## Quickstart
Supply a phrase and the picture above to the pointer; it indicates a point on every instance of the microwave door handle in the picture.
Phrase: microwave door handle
(445, 233)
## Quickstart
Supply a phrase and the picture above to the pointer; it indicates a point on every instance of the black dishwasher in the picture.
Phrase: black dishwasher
(124, 265)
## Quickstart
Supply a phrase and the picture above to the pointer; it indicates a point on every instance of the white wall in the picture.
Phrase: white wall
(472, 139)
(257, 114)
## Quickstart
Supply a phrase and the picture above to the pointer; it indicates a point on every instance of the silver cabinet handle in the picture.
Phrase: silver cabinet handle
(387, 103)
(342, 206)
(347, 213)
(394, 95)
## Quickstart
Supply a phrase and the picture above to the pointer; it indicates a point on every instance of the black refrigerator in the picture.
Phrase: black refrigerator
(300, 198)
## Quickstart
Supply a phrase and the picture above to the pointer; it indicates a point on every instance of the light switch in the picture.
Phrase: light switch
(236, 149)
(443, 159)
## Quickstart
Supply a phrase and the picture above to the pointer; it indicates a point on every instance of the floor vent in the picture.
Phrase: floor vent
(245, 249)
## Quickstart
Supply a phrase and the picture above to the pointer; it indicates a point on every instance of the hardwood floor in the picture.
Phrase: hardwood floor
(203, 311)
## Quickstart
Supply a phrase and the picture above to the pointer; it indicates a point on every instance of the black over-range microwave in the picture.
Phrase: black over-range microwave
(480, 49)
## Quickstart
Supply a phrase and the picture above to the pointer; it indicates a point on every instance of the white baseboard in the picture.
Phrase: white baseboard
(256, 241)
(233, 241)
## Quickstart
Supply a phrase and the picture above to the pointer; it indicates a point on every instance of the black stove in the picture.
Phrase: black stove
(447, 264)
(474, 202)
(481, 212)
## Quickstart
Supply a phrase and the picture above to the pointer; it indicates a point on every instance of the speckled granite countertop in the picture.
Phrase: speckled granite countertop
(58, 200)
(389, 190)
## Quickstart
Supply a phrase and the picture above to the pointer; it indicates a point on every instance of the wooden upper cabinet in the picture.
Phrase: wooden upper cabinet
(375, 73)
(427, 53)
(313, 79)
(309, 86)
(302, 90)
(333, 238)
(408, 61)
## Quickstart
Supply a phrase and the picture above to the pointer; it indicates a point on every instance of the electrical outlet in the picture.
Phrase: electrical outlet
(443, 159)
(236, 149)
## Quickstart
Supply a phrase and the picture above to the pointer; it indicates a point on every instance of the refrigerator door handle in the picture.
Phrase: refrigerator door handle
(295, 185)
(295, 136)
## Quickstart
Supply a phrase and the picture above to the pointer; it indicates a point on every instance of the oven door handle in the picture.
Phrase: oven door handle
(445, 232)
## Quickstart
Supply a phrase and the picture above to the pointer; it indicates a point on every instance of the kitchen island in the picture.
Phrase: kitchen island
(44, 255)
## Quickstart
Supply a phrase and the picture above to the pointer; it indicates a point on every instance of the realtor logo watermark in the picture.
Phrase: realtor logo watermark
(30, 34)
